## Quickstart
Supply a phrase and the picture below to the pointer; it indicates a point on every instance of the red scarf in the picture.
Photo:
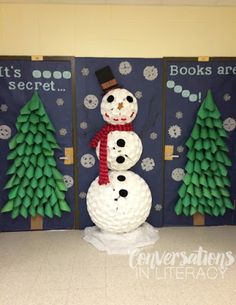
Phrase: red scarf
(102, 136)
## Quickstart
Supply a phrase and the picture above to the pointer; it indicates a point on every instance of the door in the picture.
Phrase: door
(143, 77)
(51, 78)
(186, 84)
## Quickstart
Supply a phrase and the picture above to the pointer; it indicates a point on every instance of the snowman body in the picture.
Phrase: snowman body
(120, 206)
(123, 204)
(124, 149)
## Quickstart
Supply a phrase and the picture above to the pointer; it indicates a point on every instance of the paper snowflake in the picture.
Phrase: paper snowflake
(83, 125)
(153, 135)
(87, 160)
(229, 124)
(177, 174)
(227, 97)
(138, 94)
(60, 102)
(179, 115)
(5, 132)
(150, 73)
(158, 207)
(148, 164)
(85, 71)
(90, 101)
(69, 181)
(180, 149)
(3, 107)
(125, 68)
(82, 195)
(63, 131)
(174, 131)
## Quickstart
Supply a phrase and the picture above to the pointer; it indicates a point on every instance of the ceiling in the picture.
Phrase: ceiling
(134, 2)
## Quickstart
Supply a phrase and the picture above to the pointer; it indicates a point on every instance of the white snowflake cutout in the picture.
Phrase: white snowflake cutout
(83, 125)
(174, 131)
(82, 195)
(158, 207)
(153, 135)
(148, 164)
(85, 71)
(5, 132)
(177, 174)
(138, 94)
(180, 149)
(150, 73)
(90, 101)
(60, 102)
(227, 97)
(63, 131)
(125, 68)
(69, 181)
(87, 160)
(229, 124)
(3, 107)
(179, 115)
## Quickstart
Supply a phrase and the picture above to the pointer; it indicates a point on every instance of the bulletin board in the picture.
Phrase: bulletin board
(187, 81)
(51, 77)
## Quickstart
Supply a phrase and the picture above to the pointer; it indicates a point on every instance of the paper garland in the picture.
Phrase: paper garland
(36, 186)
(205, 184)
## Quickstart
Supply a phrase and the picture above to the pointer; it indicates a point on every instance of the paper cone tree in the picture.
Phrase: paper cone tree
(36, 187)
(205, 185)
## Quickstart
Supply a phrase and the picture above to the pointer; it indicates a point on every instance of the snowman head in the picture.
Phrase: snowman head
(119, 106)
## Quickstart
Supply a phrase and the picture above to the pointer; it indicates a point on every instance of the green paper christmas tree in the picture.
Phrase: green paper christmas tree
(205, 185)
(36, 187)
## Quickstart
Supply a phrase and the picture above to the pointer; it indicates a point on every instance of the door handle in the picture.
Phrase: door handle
(169, 153)
(68, 156)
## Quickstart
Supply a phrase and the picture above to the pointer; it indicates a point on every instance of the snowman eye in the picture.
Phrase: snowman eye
(110, 98)
(129, 99)
(121, 178)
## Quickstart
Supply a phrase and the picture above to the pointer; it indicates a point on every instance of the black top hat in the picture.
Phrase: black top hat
(106, 79)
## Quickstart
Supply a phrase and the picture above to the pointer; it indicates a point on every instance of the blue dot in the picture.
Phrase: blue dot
(193, 97)
(67, 74)
(170, 84)
(57, 74)
(36, 73)
(178, 89)
(185, 93)
(47, 74)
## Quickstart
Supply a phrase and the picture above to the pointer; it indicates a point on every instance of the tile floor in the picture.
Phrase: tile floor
(60, 268)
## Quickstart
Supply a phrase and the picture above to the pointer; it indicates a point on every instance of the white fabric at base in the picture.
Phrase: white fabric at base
(124, 243)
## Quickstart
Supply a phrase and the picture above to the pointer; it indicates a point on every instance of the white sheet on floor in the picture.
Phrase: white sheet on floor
(145, 235)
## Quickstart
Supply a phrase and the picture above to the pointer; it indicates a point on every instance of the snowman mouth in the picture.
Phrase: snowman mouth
(121, 119)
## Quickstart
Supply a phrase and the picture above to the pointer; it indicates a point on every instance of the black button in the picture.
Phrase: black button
(123, 193)
(121, 178)
(120, 159)
(120, 143)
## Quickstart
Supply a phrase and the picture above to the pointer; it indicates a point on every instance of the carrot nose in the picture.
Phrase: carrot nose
(120, 106)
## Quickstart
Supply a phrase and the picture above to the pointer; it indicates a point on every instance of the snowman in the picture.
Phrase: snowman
(118, 201)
